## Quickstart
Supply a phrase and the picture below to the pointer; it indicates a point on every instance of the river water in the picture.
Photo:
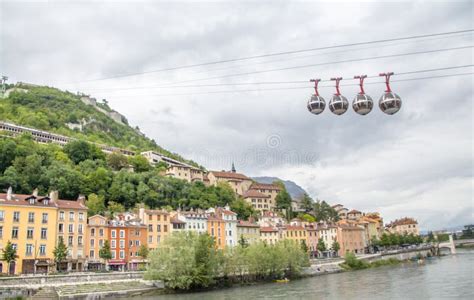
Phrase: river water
(448, 277)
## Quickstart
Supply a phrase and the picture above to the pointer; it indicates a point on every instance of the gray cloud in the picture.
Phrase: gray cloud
(418, 162)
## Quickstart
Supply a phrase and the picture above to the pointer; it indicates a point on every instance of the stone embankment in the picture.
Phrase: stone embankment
(77, 286)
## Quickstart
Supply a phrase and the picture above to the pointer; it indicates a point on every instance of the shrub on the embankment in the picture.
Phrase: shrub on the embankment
(186, 261)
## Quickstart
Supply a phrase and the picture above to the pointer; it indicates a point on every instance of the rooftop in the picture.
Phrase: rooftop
(254, 194)
(229, 175)
(264, 186)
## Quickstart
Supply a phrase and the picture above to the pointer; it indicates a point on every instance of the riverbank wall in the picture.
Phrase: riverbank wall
(78, 285)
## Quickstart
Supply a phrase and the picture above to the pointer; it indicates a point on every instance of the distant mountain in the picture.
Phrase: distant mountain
(295, 190)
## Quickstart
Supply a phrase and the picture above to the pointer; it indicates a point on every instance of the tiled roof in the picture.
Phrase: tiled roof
(67, 204)
(255, 194)
(268, 229)
(229, 175)
(23, 200)
(247, 224)
(175, 220)
(265, 186)
(354, 212)
(403, 221)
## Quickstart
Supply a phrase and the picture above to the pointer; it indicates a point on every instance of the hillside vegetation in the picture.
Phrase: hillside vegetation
(50, 109)
(80, 168)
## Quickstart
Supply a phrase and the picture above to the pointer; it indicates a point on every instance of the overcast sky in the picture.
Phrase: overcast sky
(416, 163)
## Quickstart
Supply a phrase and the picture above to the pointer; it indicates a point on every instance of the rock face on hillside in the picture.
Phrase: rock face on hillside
(295, 190)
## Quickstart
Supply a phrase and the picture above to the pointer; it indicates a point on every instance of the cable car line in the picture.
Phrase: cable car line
(267, 82)
(294, 88)
(321, 64)
(276, 54)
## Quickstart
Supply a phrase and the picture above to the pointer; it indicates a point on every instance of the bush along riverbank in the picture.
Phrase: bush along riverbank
(187, 261)
(351, 262)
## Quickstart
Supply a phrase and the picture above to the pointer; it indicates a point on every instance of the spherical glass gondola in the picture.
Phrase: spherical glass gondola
(362, 104)
(316, 104)
(390, 103)
(338, 104)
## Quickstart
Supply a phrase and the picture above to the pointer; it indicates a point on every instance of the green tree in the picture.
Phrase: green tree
(114, 207)
(117, 161)
(143, 251)
(140, 163)
(9, 254)
(105, 253)
(60, 253)
(95, 205)
(304, 247)
(307, 217)
(243, 209)
(321, 246)
(243, 242)
(336, 247)
(306, 202)
(78, 151)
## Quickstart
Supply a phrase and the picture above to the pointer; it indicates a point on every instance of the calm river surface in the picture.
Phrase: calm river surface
(439, 278)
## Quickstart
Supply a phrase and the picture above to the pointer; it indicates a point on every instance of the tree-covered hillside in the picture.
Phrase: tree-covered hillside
(50, 109)
(80, 168)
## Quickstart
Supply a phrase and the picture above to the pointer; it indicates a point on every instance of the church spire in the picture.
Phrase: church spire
(233, 168)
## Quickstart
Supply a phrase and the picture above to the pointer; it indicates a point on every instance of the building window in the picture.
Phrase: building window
(92, 231)
(70, 240)
(31, 217)
(92, 242)
(114, 234)
(29, 249)
(137, 243)
(101, 232)
(158, 217)
(91, 254)
(150, 239)
(14, 232)
(113, 254)
(101, 243)
(29, 233)
(16, 216)
(71, 216)
(122, 234)
(61, 216)
(150, 228)
(81, 217)
(113, 244)
(42, 250)
(165, 228)
(44, 233)
(158, 228)
(2, 215)
(1, 232)
(44, 218)
(79, 228)
(71, 228)
(122, 254)
(122, 244)
(61, 227)
(150, 217)
(79, 240)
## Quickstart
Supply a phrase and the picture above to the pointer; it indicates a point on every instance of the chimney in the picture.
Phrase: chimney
(53, 195)
(9, 193)
(35, 192)
(141, 214)
(81, 200)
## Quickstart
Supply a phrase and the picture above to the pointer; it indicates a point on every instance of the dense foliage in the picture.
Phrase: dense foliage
(351, 262)
(186, 260)
(51, 109)
(395, 239)
(80, 168)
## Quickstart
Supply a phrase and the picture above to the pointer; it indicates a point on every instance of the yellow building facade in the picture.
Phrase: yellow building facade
(158, 224)
(96, 235)
(29, 223)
